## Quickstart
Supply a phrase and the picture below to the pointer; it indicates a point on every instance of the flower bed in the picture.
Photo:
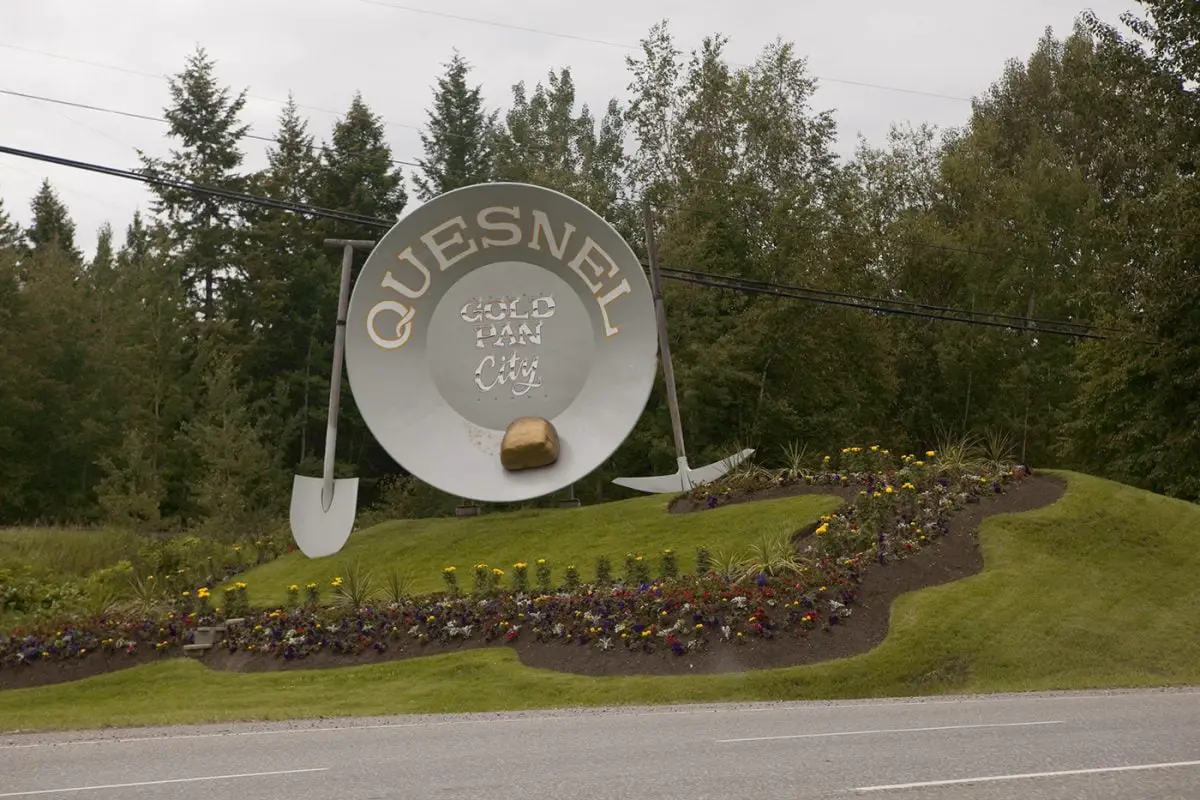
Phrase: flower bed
(785, 588)
(42, 644)
(682, 615)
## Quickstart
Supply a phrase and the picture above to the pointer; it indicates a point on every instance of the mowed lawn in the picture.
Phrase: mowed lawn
(421, 549)
(1098, 590)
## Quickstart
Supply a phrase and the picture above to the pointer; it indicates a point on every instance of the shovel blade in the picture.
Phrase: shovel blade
(685, 478)
(319, 532)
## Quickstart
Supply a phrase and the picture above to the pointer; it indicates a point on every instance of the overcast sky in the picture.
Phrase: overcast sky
(114, 53)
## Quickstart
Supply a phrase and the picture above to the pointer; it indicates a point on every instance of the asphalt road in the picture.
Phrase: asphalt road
(1143, 745)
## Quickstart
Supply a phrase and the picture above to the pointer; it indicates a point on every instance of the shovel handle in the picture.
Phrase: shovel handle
(335, 382)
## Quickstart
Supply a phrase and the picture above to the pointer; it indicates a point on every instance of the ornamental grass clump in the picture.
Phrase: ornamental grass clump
(450, 578)
(669, 565)
(571, 584)
(637, 571)
(520, 578)
(483, 580)
(604, 571)
(237, 601)
(542, 571)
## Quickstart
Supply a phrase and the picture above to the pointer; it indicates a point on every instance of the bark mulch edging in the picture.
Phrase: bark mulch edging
(951, 557)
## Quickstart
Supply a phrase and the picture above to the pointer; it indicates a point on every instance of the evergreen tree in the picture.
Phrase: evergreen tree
(10, 232)
(48, 451)
(102, 266)
(237, 488)
(356, 172)
(292, 288)
(204, 118)
(458, 141)
(52, 225)
(143, 352)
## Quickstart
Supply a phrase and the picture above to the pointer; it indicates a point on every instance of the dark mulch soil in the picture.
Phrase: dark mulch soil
(954, 556)
(949, 558)
(86, 667)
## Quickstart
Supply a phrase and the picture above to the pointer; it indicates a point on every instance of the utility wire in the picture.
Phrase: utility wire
(627, 46)
(228, 194)
(162, 77)
(149, 118)
(841, 235)
(879, 306)
(1025, 322)
(712, 280)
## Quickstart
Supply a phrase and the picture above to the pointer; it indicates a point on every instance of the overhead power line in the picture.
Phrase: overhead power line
(150, 118)
(712, 280)
(627, 46)
(842, 235)
(882, 303)
(884, 306)
(214, 191)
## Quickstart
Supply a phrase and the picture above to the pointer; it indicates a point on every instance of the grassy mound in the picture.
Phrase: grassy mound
(1096, 590)
(421, 549)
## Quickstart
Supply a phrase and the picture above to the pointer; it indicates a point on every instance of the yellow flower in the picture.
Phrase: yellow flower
(874, 448)
(293, 588)
(520, 565)
(920, 463)
(824, 529)
(888, 490)
(908, 486)
(541, 561)
(497, 572)
(449, 569)
(186, 594)
(826, 458)
(239, 585)
(930, 453)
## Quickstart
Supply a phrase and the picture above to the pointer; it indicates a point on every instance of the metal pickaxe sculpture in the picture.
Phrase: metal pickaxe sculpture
(686, 477)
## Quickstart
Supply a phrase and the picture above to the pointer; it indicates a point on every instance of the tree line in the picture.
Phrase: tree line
(181, 378)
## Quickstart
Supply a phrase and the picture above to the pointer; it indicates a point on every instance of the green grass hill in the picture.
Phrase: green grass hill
(423, 548)
(1097, 590)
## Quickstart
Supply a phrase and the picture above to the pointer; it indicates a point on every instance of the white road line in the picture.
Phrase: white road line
(159, 783)
(1025, 776)
(882, 704)
(893, 730)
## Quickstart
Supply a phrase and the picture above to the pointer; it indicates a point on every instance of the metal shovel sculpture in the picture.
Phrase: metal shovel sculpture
(323, 509)
(685, 478)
